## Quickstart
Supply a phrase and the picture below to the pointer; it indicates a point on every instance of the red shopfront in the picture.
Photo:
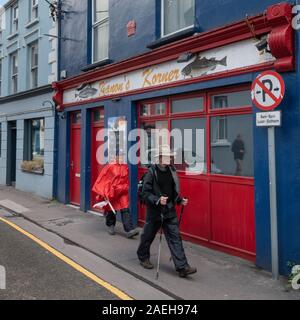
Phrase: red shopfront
(221, 191)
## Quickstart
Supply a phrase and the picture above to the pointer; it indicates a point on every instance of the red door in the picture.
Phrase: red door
(75, 158)
(97, 154)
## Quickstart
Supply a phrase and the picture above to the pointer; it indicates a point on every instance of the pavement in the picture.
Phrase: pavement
(220, 276)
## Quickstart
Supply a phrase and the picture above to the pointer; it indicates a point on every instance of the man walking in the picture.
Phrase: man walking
(161, 194)
(238, 149)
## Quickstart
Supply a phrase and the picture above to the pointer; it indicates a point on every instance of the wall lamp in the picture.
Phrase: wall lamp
(62, 115)
(117, 99)
(263, 44)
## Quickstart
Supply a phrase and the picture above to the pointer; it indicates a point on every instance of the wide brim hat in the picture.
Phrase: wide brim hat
(164, 151)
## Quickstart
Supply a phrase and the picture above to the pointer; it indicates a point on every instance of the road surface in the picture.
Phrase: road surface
(34, 273)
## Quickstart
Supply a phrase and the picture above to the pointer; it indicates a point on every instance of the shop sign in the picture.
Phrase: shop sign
(238, 55)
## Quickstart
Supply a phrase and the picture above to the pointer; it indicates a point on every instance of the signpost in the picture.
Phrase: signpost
(268, 91)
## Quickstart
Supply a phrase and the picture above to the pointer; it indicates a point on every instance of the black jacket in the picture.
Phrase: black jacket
(238, 149)
(151, 195)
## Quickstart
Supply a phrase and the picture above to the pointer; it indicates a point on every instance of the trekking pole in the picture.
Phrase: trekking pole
(181, 215)
(180, 219)
(159, 247)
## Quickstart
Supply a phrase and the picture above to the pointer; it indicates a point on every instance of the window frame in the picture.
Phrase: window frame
(14, 76)
(1, 75)
(31, 47)
(14, 20)
(208, 113)
(96, 25)
(34, 10)
(1, 24)
(162, 22)
(28, 150)
(0, 139)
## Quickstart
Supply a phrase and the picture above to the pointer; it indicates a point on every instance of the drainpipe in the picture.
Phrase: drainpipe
(56, 117)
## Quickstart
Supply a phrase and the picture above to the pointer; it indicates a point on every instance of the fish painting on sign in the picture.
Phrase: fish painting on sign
(85, 91)
(201, 66)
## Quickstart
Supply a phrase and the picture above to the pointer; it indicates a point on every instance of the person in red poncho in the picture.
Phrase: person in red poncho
(112, 187)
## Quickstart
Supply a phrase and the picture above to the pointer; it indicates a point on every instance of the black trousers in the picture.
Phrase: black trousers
(111, 219)
(172, 234)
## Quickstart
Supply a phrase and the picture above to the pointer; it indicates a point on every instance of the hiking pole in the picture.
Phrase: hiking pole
(181, 215)
(159, 247)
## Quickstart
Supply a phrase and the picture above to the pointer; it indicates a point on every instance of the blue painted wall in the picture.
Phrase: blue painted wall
(77, 26)
(210, 14)
(288, 182)
(30, 30)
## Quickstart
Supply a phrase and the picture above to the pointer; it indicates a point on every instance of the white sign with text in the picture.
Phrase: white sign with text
(268, 119)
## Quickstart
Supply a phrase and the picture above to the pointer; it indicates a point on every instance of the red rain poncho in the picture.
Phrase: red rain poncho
(113, 184)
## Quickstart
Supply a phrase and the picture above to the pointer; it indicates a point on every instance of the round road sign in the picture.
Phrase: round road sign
(268, 90)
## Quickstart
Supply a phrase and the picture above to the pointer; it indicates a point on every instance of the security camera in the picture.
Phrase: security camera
(263, 45)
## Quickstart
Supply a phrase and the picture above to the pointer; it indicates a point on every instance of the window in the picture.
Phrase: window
(37, 139)
(220, 136)
(235, 157)
(76, 118)
(15, 18)
(98, 115)
(0, 77)
(153, 109)
(34, 59)
(34, 9)
(1, 27)
(231, 100)
(100, 30)
(14, 72)
(190, 156)
(232, 134)
(209, 133)
(34, 145)
(177, 15)
(188, 105)
(156, 134)
(0, 140)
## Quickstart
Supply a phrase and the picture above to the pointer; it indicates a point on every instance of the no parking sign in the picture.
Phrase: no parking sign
(267, 93)
(268, 90)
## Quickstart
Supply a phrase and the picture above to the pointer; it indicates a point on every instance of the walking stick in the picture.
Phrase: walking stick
(159, 247)
(181, 215)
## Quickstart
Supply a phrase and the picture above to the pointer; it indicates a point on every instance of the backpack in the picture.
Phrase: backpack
(141, 185)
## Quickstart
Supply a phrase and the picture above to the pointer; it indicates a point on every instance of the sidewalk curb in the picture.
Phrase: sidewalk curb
(115, 264)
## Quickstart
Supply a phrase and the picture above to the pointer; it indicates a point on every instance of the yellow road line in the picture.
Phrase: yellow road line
(120, 294)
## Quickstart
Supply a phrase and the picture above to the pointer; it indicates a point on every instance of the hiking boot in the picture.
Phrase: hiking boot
(132, 233)
(111, 230)
(147, 264)
(188, 270)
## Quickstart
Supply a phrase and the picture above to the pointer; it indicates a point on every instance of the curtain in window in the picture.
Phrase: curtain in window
(178, 14)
